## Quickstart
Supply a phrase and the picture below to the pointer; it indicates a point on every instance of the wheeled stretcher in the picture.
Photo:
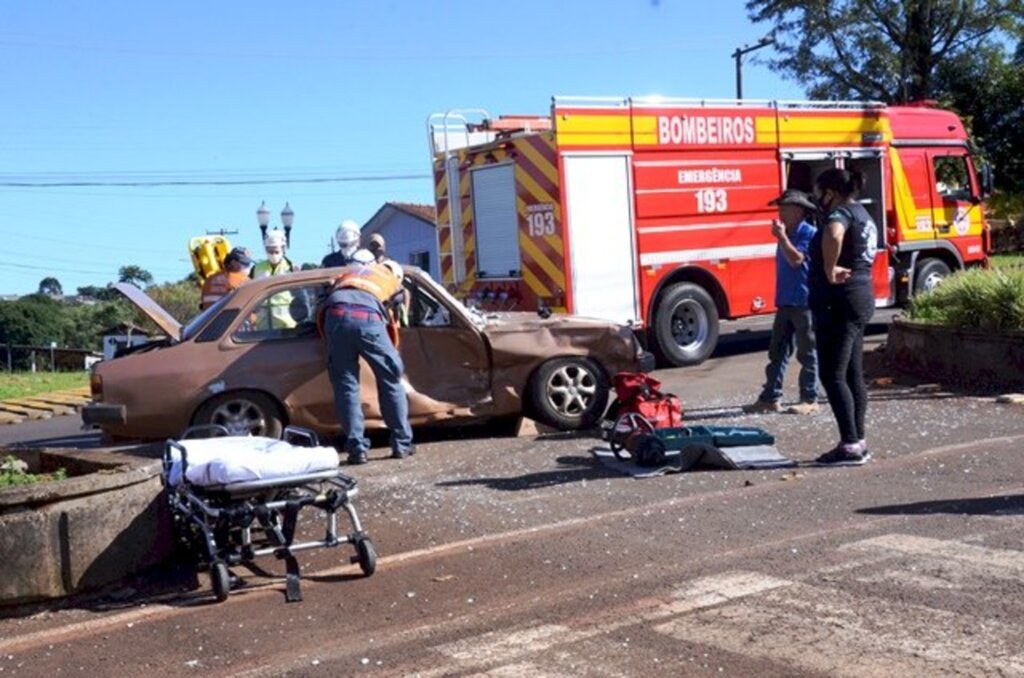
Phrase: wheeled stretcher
(236, 498)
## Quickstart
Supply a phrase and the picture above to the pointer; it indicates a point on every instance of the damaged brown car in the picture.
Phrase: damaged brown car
(249, 365)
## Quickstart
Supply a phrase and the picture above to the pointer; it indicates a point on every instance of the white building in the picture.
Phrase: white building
(410, 234)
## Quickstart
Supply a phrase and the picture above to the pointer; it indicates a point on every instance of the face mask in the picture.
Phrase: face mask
(350, 250)
(275, 257)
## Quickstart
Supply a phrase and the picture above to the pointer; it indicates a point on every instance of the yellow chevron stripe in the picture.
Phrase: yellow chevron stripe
(534, 283)
(530, 184)
(526, 245)
(539, 161)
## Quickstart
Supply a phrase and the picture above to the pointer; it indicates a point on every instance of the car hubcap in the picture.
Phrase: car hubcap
(240, 417)
(571, 390)
(689, 324)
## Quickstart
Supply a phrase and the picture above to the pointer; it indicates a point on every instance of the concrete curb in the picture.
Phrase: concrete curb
(43, 406)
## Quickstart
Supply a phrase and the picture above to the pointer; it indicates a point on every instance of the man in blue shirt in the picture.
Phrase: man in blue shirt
(792, 316)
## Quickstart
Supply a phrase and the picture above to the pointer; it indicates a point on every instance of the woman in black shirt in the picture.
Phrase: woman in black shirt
(842, 302)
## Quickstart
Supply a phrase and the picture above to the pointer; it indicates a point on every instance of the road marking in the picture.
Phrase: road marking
(1009, 564)
(504, 646)
(829, 630)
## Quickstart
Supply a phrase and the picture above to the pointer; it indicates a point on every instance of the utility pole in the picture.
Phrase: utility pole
(738, 56)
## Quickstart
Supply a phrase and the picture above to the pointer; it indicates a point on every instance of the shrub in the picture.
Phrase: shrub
(974, 299)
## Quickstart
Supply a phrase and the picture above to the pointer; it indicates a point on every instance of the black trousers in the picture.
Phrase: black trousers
(840, 317)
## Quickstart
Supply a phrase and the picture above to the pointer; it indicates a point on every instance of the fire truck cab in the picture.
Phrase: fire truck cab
(654, 212)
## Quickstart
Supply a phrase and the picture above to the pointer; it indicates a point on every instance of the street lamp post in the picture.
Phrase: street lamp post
(263, 217)
(287, 218)
(738, 56)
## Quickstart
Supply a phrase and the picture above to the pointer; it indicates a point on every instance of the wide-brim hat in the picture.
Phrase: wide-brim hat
(792, 196)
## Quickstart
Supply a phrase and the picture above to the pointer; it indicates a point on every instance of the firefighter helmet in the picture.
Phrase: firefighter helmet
(347, 235)
(274, 238)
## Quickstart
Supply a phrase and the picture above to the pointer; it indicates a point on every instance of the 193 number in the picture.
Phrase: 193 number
(541, 224)
(711, 200)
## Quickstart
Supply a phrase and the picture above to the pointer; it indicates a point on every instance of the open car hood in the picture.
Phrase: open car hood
(153, 310)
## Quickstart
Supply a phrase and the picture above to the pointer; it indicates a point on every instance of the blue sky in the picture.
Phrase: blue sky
(135, 91)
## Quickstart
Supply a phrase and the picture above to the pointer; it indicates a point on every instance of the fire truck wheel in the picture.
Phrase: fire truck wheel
(569, 393)
(929, 274)
(685, 325)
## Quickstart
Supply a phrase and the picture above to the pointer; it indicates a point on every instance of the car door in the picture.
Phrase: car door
(447, 361)
(279, 351)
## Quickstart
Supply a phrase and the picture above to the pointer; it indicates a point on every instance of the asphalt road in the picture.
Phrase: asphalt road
(509, 557)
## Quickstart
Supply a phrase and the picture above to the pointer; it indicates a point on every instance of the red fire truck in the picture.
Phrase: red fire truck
(655, 212)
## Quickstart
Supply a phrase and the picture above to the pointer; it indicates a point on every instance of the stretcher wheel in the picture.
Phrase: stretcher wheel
(221, 579)
(367, 555)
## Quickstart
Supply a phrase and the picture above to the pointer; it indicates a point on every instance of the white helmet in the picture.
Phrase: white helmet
(394, 267)
(274, 238)
(347, 235)
(363, 256)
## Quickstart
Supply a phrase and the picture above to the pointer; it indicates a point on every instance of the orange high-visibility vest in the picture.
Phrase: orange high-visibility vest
(219, 284)
(376, 280)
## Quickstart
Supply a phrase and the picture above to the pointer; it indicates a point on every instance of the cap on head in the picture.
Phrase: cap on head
(238, 255)
(347, 234)
(274, 238)
(395, 268)
(792, 196)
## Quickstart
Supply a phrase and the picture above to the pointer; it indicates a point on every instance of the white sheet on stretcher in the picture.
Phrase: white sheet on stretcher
(238, 459)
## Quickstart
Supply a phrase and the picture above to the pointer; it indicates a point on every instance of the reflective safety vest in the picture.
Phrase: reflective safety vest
(219, 284)
(375, 279)
(264, 268)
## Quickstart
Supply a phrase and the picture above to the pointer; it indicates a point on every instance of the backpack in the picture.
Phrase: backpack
(640, 394)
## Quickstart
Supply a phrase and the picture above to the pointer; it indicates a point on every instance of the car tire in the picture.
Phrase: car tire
(685, 326)
(929, 274)
(569, 393)
(242, 413)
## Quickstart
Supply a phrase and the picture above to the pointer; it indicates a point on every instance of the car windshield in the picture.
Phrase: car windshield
(200, 320)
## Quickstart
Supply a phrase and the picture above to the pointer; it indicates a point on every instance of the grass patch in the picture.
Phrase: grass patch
(975, 299)
(24, 384)
(1011, 260)
(11, 474)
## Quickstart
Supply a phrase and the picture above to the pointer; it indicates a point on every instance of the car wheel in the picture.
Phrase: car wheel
(929, 274)
(569, 393)
(242, 413)
(685, 325)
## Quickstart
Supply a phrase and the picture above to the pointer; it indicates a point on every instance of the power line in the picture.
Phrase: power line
(207, 182)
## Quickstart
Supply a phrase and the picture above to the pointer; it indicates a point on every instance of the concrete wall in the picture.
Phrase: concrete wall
(985, 361)
(75, 535)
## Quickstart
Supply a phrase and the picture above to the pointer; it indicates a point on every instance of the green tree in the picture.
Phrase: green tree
(32, 320)
(107, 293)
(180, 299)
(885, 50)
(988, 92)
(51, 287)
(134, 275)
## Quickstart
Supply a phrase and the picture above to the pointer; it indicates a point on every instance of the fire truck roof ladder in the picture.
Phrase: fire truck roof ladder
(451, 130)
